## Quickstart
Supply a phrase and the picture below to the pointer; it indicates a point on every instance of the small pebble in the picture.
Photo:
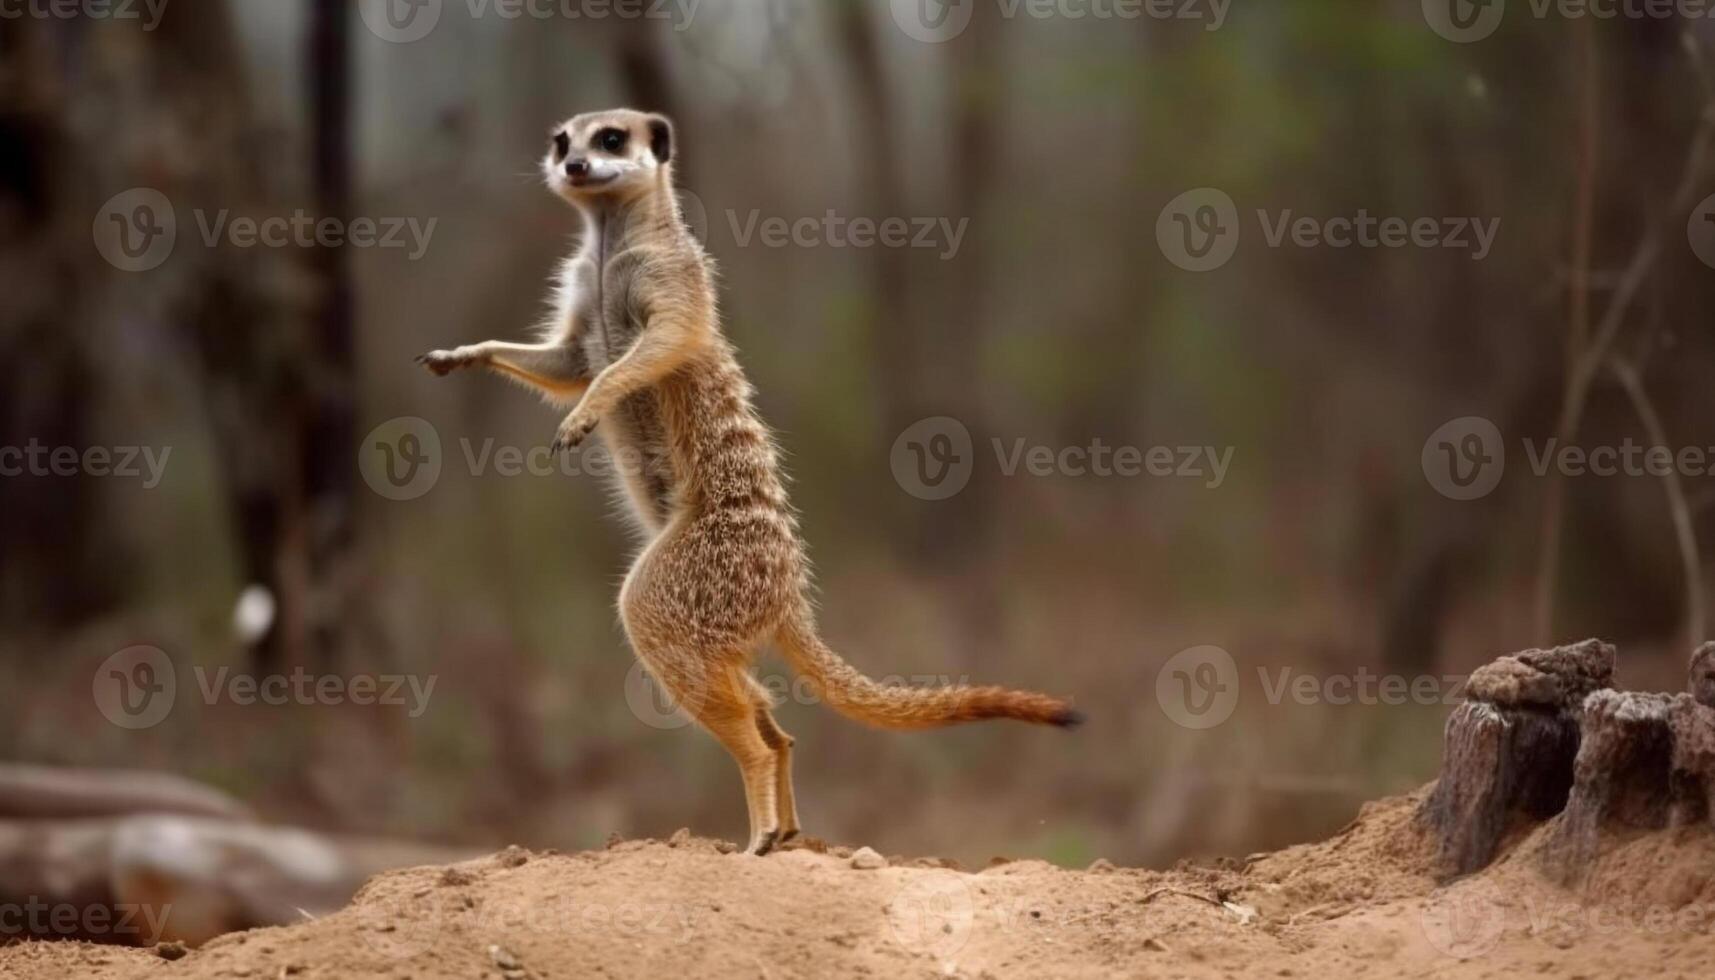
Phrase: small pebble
(866, 859)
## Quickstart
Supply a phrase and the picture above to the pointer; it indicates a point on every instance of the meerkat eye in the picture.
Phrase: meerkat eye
(610, 140)
(562, 145)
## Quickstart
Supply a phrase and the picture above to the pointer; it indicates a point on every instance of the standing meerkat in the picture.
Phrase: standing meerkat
(635, 344)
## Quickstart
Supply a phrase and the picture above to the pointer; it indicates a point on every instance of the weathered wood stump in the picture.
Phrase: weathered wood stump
(1511, 749)
(1691, 780)
(1702, 685)
(1620, 778)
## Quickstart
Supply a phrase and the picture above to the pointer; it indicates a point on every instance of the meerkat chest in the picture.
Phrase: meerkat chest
(612, 315)
(634, 430)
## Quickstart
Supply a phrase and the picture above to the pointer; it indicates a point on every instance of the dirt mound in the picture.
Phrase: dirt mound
(1364, 903)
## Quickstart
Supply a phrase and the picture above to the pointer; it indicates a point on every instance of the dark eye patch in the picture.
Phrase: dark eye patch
(609, 140)
(562, 145)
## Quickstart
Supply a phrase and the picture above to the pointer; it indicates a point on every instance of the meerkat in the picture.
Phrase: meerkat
(633, 345)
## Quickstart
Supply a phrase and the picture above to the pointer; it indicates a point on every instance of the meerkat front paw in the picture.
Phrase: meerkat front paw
(443, 362)
(573, 431)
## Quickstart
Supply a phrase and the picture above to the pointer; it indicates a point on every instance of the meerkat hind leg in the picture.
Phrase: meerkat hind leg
(724, 699)
(729, 713)
(785, 803)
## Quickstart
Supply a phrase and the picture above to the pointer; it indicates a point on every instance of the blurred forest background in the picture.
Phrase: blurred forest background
(1058, 321)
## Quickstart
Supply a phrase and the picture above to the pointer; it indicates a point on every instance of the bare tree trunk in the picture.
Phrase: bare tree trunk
(64, 555)
(1578, 336)
(328, 438)
(901, 349)
(962, 328)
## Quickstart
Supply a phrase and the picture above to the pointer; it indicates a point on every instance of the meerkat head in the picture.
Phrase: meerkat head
(617, 155)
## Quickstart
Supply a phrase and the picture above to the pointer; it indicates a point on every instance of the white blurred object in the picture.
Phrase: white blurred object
(254, 614)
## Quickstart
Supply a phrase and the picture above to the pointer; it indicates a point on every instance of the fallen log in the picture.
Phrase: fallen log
(39, 792)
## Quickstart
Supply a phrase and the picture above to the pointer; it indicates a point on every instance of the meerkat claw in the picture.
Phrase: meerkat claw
(439, 361)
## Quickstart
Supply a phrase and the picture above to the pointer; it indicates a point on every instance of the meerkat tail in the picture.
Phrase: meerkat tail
(845, 689)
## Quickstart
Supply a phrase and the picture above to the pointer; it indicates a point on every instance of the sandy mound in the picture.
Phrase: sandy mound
(1361, 904)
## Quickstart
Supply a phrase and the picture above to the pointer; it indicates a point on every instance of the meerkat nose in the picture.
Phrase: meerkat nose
(577, 168)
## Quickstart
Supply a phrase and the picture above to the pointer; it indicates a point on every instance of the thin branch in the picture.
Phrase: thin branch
(1578, 333)
(1680, 508)
(1182, 893)
(1587, 363)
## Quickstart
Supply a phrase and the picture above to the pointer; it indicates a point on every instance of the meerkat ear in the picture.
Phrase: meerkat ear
(661, 138)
